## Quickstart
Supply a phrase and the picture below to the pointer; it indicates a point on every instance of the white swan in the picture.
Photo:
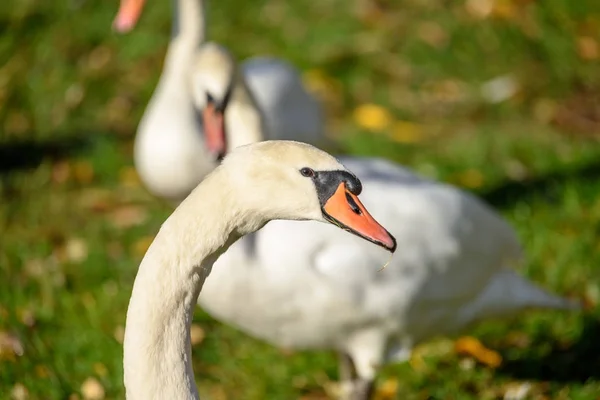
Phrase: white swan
(309, 286)
(253, 185)
(201, 97)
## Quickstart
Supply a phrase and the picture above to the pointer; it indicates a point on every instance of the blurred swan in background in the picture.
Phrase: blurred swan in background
(201, 97)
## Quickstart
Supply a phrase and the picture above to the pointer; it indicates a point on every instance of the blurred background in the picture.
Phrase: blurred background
(500, 97)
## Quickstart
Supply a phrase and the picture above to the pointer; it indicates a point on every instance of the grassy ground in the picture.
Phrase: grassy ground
(401, 80)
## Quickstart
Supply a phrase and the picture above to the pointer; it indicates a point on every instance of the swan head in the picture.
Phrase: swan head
(296, 181)
(214, 77)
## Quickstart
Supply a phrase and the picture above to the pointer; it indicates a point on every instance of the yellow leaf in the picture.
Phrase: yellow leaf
(406, 132)
(472, 347)
(372, 117)
(387, 390)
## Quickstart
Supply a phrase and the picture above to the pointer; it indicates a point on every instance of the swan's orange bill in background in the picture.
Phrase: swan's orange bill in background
(346, 209)
(128, 15)
(214, 130)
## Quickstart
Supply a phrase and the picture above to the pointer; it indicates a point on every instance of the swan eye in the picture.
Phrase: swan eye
(309, 173)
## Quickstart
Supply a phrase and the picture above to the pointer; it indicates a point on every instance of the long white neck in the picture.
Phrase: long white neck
(157, 349)
(187, 34)
(244, 120)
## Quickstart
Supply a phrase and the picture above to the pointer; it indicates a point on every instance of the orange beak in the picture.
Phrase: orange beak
(214, 130)
(128, 15)
(345, 210)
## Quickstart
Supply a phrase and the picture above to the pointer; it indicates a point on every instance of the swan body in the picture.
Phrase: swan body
(253, 185)
(309, 286)
(182, 135)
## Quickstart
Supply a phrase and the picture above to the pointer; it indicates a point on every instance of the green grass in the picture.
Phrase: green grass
(73, 223)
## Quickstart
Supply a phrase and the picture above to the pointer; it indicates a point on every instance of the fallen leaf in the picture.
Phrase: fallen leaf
(472, 347)
(387, 390)
(197, 334)
(92, 389)
(128, 216)
(372, 117)
(19, 392)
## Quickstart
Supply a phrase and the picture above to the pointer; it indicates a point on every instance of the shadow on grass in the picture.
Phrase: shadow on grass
(548, 186)
(576, 362)
(29, 153)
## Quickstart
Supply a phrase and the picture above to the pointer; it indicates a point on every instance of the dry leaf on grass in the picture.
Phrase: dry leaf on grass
(472, 347)
(372, 117)
(387, 390)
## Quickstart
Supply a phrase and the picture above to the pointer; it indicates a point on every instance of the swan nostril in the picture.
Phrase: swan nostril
(353, 206)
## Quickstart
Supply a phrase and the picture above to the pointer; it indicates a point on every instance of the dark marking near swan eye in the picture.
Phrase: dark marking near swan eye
(309, 173)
